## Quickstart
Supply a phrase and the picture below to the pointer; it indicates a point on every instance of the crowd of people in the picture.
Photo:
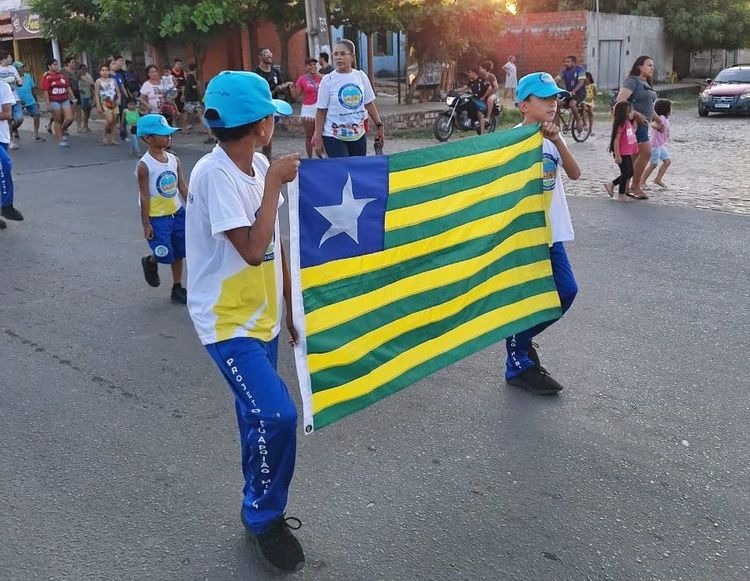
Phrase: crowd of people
(224, 222)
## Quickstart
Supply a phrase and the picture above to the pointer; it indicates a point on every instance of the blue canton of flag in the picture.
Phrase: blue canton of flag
(345, 217)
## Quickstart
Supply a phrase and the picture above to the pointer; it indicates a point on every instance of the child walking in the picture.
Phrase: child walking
(131, 125)
(623, 145)
(107, 99)
(588, 103)
(659, 140)
(163, 191)
(537, 96)
(238, 280)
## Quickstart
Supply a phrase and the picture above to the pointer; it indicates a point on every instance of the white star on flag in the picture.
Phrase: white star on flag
(344, 216)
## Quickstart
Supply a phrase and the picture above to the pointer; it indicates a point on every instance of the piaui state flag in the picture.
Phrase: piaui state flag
(404, 264)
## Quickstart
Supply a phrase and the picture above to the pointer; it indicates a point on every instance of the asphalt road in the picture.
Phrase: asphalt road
(119, 455)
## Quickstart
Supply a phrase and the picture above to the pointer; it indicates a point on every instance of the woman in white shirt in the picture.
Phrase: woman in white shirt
(345, 99)
(152, 92)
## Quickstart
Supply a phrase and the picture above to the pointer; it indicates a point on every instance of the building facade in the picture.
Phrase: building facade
(606, 44)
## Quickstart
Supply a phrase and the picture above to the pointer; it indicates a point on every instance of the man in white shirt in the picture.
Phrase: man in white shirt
(511, 78)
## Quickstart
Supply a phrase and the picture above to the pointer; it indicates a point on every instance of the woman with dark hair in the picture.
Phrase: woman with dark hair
(152, 93)
(637, 89)
(345, 100)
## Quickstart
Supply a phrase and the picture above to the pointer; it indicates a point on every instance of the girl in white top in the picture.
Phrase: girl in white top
(152, 92)
(345, 99)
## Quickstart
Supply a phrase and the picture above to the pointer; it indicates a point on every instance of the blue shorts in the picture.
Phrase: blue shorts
(659, 154)
(641, 134)
(86, 104)
(168, 243)
(59, 105)
(16, 111)
(32, 110)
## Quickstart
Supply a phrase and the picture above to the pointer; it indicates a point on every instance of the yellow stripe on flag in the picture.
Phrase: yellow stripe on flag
(361, 346)
(409, 216)
(407, 360)
(314, 276)
(444, 170)
(336, 314)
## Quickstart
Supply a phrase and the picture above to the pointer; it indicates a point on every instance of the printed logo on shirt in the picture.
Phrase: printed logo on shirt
(549, 167)
(269, 249)
(166, 184)
(350, 96)
(161, 251)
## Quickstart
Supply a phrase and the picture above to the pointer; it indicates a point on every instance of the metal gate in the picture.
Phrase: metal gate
(610, 65)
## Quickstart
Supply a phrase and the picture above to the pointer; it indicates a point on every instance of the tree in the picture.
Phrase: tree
(288, 18)
(108, 26)
(438, 31)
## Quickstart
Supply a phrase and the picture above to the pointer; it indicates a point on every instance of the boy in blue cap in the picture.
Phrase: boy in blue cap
(536, 97)
(238, 280)
(160, 180)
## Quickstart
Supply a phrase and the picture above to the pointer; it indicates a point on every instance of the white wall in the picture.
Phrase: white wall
(709, 62)
(637, 35)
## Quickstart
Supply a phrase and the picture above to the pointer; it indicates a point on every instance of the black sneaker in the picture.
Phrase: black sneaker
(536, 379)
(3, 225)
(278, 546)
(150, 271)
(11, 213)
(179, 295)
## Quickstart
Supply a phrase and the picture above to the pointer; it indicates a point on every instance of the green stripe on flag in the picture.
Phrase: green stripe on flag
(338, 411)
(335, 376)
(317, 297)
(422, 194)
(477, 211)
(464, 148)
(340, 335)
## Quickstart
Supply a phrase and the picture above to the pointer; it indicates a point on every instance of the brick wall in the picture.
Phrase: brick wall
(541, 41)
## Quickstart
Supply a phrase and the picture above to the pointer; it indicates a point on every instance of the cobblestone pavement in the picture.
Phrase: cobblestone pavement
(710, 167)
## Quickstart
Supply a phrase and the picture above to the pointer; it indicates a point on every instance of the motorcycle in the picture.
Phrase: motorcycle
(460, 115)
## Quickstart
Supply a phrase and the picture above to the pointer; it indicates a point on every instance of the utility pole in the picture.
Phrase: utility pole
(317, 27)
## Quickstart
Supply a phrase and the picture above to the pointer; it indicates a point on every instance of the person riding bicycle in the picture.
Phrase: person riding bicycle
(573, 78)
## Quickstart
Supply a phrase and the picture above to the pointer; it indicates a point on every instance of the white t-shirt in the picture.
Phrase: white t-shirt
(164, 194)
(155, 96)
(559, 215)
(345, 96)
(6, 97)
(227, 297)
(10, 75)
(511, 75)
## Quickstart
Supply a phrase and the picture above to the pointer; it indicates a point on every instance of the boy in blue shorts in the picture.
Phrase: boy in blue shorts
(238, 282)
(163, 191)
(536, 97)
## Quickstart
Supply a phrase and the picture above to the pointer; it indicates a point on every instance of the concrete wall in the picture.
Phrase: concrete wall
(636, 35)
(709, 62)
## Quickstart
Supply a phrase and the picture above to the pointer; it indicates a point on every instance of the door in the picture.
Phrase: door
(610, 65)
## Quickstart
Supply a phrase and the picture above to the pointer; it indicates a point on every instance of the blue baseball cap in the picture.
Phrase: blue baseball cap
(153, 124)
(540, 85)
(235, 98)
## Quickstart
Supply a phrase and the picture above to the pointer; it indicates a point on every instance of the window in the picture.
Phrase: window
(383, 45)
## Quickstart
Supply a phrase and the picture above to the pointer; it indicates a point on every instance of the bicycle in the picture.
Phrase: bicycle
(581, 132)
